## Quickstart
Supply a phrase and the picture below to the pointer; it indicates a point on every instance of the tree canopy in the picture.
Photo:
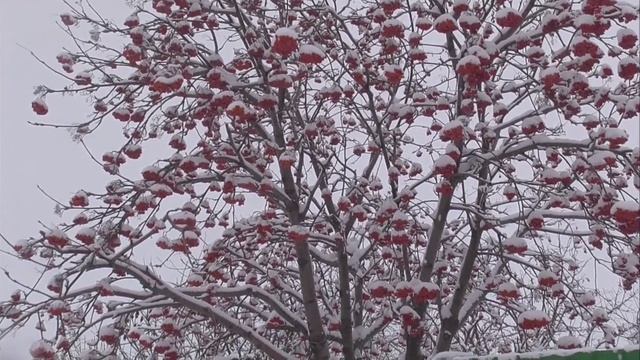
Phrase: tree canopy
(357, 179)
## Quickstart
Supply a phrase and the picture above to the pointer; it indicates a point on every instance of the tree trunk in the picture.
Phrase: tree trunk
(413, 343)
(317, 339)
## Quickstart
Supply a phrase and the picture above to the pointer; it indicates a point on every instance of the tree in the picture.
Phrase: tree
(364, 180)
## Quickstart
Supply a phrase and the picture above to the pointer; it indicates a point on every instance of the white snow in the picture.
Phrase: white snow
(628, 205)
(451, 125)
(468, 60)
(532, 315)
(600, 158)
(423, 22)
(419, 285)
(392, 68)
(505, 12)
(624, 32)
(444, 18)
(531, 122)
(41, 350)
(286, 32)
(377, 284)
(86, 233)
(308, 49)
(585, 20)
(452, 149)
(546, 274)
(457, 3)
(629, 60)
(444, 161)
(569, 342)
(615, 133)
(507, 287)
(168, 79)
(468, 20)
(107, 331)
(599, 314)
(393, 22)
(529, 355)
(58, 305)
